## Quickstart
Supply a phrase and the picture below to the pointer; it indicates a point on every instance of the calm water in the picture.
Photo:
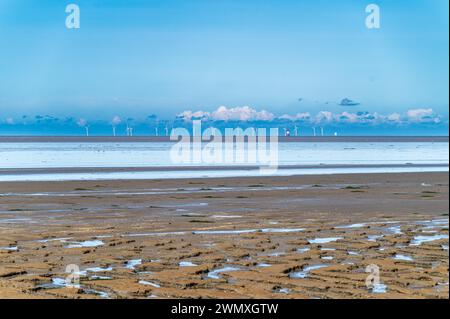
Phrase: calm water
(51, 155)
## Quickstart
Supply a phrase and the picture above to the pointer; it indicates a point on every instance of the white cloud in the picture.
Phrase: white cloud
(297, 117)
(247, 113)
(349, 117)
(189, 115)
(394, 117)
(244, 113)
(324, 116)
(422, 116)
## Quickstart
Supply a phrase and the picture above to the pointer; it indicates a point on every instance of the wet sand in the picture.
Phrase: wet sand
(256, 237)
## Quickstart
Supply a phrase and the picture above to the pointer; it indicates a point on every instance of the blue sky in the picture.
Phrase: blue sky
(137, 57)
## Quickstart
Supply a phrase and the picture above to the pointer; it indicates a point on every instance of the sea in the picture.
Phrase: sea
(37, 161)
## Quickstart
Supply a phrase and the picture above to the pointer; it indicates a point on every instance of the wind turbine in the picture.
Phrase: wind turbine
(314, 131)
(321, 131)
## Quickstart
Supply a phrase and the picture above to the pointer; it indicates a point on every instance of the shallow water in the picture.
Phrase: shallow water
(186, 264)
(214, 274)
(305, 272)
(99, 176)
(131, 264)
(324, 240)
(403, 257)
(379, 288)
(9, 248)
(86, 244)
(39, 155)
(418, 240)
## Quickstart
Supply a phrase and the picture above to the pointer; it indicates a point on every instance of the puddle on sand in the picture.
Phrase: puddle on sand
(353, 253)
(282, 230)
(283, 291)
(374, 237)
(324, 240)
(418, 240)
(396, 230)
(215, 274)
(327, 257)
(263, 265)
(379, 288)
(86, 244)
(148, 283)
(95, 277)
(57, 283)
(186, 264)
(63, 239)
(93, 269)
(10, 248)
(305, 272)
(351, 226)
(275, 254)
(303, 250)
(403, 257)
(131, 264)
(101, 294)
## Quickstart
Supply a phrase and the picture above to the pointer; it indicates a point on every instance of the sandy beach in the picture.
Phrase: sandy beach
(255, 237)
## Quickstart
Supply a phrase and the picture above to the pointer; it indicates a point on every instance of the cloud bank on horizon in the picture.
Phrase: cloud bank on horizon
(249, 114)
